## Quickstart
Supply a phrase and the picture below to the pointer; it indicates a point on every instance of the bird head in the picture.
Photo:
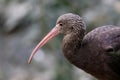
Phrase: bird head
(66, 24)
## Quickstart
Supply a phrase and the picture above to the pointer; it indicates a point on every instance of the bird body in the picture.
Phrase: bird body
(97, 52)
(93, 55)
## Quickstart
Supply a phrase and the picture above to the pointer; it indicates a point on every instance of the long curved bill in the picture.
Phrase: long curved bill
(48, 37)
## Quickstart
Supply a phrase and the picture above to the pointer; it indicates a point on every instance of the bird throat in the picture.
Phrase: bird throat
(72, 43)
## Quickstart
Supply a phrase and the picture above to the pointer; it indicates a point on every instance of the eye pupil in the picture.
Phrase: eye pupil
(72, 28)
(61, 24)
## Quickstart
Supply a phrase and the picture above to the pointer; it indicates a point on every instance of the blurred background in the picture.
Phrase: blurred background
(23, 23)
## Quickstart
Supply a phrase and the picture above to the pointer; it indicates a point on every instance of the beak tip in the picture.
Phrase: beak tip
(31, 56)
(29, 61)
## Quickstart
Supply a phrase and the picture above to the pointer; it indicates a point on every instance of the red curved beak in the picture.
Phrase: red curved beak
(48, 37)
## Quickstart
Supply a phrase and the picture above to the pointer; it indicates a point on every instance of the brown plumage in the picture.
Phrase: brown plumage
(97, 53)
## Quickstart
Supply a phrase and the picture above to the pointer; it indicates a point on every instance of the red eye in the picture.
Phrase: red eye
(61, 24)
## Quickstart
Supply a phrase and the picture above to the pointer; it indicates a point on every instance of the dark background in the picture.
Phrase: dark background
(23, 23)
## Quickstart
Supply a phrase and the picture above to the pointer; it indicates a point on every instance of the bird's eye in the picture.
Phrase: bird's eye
(72, 28)
(61, 24)
(110, 50)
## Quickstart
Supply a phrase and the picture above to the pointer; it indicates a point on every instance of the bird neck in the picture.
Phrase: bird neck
(72, 43)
